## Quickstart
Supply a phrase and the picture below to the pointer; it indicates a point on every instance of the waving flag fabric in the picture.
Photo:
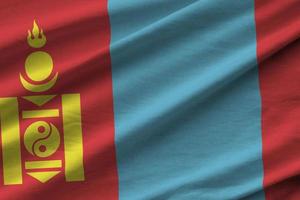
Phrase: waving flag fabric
(149, 100)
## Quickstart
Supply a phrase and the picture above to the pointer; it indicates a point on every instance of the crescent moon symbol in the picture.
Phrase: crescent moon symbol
(40, 87)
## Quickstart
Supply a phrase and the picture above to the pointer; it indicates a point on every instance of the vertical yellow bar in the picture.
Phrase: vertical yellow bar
(10, 135)
(74, 170)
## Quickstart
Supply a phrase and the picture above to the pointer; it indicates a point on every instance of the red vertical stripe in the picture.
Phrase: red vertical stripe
(78, 38)
(278, 49)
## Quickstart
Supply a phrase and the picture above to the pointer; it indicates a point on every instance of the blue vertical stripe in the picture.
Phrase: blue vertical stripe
(186, 99)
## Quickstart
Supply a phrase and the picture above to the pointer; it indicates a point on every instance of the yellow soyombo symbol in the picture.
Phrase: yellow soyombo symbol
(42, 139)
(39, 64)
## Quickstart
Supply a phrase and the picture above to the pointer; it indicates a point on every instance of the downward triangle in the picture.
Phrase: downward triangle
(43, 177)
(39, 100)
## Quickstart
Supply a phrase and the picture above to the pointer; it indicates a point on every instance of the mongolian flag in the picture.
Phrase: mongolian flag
(150, 100)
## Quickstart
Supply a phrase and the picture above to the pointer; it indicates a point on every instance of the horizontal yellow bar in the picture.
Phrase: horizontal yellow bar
(40, 113)
(43, 164)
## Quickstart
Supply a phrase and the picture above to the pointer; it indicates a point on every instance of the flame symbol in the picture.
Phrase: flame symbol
(36, 37)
